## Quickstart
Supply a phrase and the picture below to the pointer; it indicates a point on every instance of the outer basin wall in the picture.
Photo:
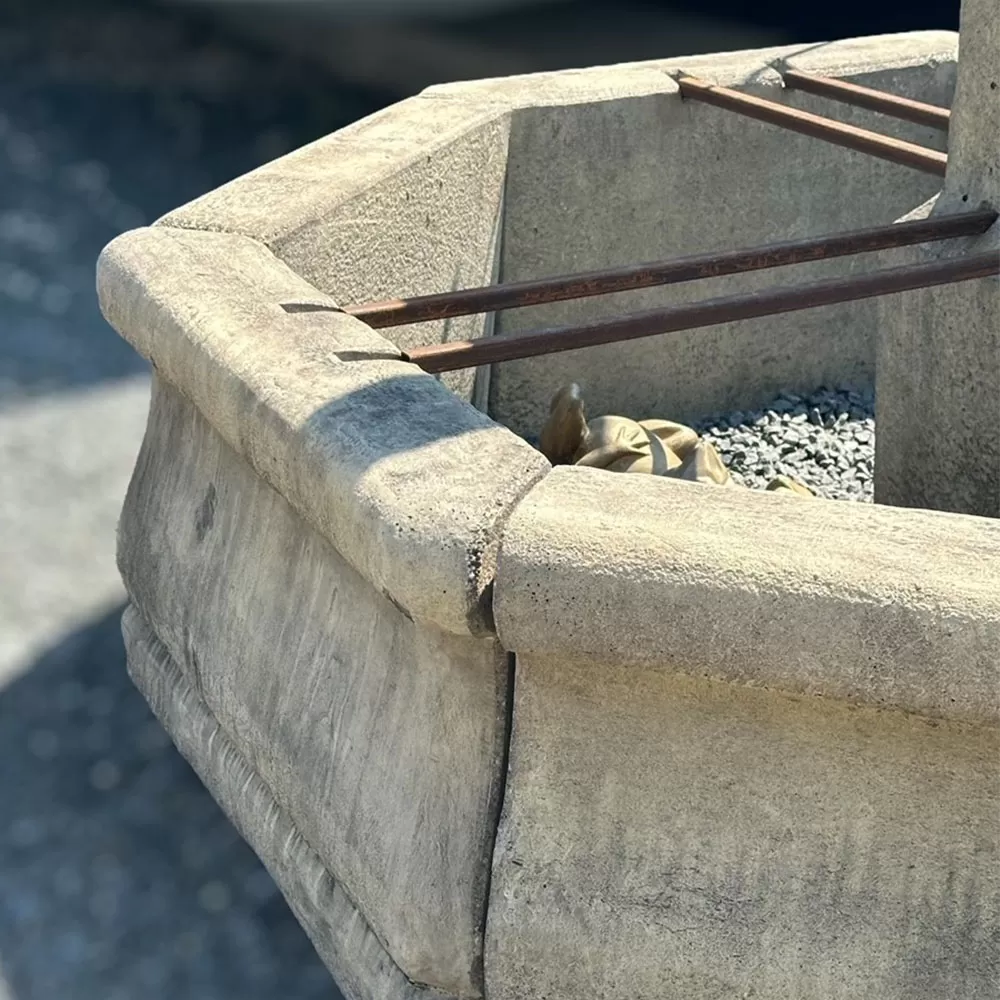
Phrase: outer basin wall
(309, 546)
(608, 183)
(381, 737)
(754, 747)
(342, 936)
(406, 481)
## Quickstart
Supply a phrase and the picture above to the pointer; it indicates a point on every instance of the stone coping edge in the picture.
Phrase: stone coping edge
(336, 927)
(297, 192)
(407, 481)
(880, 605)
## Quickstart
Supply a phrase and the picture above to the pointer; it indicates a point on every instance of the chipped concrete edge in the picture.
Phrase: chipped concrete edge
(407, 481)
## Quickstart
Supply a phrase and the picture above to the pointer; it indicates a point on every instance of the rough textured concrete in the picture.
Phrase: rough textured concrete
(611, 182)
(672, 836)
(861, 603)
(407, 201)
(752, 754)
(339, 932)
(408, 482)
(404, 202)
(939, 348)
(973, 146)
(410, 201)
(383, 739)
(754, 747)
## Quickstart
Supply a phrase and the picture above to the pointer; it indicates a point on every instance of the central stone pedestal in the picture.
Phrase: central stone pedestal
(938, 349)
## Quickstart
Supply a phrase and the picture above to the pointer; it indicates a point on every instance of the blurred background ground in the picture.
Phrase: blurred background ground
(119, 877)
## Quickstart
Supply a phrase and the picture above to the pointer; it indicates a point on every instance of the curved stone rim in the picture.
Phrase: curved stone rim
(863, 603)
(200, 295)
(371, 451)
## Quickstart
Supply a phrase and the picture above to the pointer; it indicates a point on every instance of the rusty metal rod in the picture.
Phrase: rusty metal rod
(467, 301)
(491, 350)
(866, 97)
(895, 150)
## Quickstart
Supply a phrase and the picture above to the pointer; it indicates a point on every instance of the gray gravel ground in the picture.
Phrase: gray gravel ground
(119, 876)
(825, 440)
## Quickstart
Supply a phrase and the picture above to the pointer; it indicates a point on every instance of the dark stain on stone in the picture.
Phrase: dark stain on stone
(204, 516)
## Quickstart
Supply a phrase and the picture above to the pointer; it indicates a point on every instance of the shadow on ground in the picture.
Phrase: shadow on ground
(113, 112)
(119, 875)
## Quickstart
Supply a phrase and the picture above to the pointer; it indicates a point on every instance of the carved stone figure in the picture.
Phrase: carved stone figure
(619, 444)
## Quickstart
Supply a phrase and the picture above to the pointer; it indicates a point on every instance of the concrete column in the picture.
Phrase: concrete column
(938, 353)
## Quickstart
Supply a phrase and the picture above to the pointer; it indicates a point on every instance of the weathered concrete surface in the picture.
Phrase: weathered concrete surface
(311, 541)
(974, 136)
(856, 602)
(405, 480)
(340, 933)
(119, 876)
(381, 739)
(610, 182)
(719, 782)
(593, 168)
(672, 836)
(939, 348)
(404, 202)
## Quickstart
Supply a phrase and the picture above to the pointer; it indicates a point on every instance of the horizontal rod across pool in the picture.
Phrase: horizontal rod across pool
(866, 97)
(861, 140)
(514, 295)
(491, 350)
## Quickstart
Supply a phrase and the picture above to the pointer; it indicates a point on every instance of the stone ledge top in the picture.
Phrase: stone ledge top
(406, 480)
(298, 191)
(881, 605)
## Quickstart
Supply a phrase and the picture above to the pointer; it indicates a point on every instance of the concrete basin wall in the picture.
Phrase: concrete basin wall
(609, 183)
(309, 554)
(549, 173)
(754, 749)
(500, 730)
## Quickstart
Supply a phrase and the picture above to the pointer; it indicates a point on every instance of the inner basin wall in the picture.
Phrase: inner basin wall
(650, 177)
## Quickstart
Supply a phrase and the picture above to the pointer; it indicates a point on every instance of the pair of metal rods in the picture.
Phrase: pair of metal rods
(850, 136)
(865, 97)
(396, 312)
(491, 350)
(518, 294)
(465, 354)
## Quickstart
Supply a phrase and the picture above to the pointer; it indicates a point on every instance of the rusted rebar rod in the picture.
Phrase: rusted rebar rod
(895, 150)
(491, 350)
(467, 301)
(867, 97)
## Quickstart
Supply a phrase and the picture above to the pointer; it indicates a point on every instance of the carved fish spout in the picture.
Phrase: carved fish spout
(654, 447)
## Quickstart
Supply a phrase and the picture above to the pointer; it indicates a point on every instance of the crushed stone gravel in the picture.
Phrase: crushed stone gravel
(824, 439)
